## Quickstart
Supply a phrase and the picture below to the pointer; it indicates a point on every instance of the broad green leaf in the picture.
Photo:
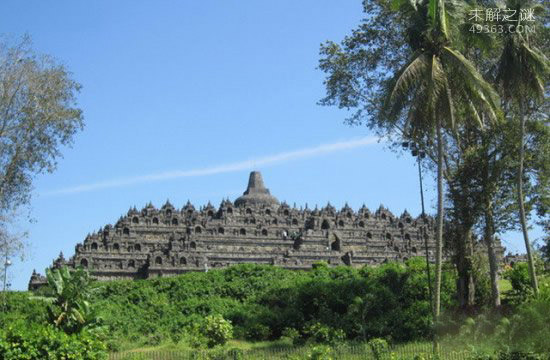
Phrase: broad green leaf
(432, 11)
(443, 18)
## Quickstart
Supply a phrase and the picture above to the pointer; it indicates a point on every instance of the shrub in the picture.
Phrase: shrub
(320, 352)
(291, 335)
(258, 332)
(379, 347)
(519, 355)
(216, 330)
(529, 326)
(224, 354)
(19, 306)
(390, 300)
(518, 276)
(321, 333)
(21, 342)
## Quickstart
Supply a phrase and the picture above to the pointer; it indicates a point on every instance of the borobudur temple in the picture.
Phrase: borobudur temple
(256, 228)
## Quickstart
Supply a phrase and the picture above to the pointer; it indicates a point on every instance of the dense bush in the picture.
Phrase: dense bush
(20, 307)
(529, 329)
(216, 330)
(326, 304)
(378, 347)
(324, 334)
(522, 331)
(389, 300)
(57, 323)
(40, 342)
(518, 275)
(262, 301)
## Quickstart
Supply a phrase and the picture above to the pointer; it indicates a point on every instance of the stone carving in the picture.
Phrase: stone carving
(256, 228)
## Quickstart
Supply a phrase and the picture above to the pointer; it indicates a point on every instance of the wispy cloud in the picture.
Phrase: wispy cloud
(219, 169)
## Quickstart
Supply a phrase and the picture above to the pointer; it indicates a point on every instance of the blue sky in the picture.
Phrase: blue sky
(183, 98)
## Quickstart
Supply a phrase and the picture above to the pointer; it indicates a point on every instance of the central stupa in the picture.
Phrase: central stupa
(256, 193)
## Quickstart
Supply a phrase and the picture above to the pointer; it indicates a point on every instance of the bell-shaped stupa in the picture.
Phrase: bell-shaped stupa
(256, 193)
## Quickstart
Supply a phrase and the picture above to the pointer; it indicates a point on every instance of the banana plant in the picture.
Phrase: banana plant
(69, 301)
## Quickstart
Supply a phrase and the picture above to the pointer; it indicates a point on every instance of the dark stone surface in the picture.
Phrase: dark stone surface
(255, 229)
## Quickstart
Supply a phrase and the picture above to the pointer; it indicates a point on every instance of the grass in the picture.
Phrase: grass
(504, 285)
(236, 344)
(285, 350)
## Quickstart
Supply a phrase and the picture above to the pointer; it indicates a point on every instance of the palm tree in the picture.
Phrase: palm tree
(437, 83)
(522, 73)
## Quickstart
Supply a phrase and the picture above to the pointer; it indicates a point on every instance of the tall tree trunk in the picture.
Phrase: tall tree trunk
(439, 231)
(489, 191)
(523, 221)
(493, 261)
(466, 284)
(461, 269)
(471, 280)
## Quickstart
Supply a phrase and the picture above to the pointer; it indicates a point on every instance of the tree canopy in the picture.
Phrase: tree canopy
(38, 116)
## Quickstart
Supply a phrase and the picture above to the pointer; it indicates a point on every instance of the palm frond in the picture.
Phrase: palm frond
(450, 102)
(474, 113)
(419, 117)
(432, 11)
(401, 4)
(478, 88)
(412, 73)
(437, 77)
(522, 68)
(442, 18)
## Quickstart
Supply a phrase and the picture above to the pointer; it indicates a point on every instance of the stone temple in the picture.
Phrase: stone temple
(256, 228)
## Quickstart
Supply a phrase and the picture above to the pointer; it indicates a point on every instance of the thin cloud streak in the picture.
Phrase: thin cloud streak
(220, 169)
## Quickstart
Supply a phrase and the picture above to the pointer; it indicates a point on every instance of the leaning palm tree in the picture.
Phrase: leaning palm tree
(522, 73)
(432, 88)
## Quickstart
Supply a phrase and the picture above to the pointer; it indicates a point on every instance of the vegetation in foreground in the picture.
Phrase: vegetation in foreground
(267, 310)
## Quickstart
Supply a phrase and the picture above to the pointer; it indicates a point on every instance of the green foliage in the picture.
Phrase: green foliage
(216, 330)
(23, 342)
(545, 247)
(21, 307)
(524, 330)
(378, 347)
(262, 301)
(320, 352)
(257, 331)
(327, 304)
(482, 280)
(70, 308)
(59, 325)
(224, 354)
(520, 355)
(518, 276)
(530, 330)
(291, 334)
(39, 118)
(321, 333)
